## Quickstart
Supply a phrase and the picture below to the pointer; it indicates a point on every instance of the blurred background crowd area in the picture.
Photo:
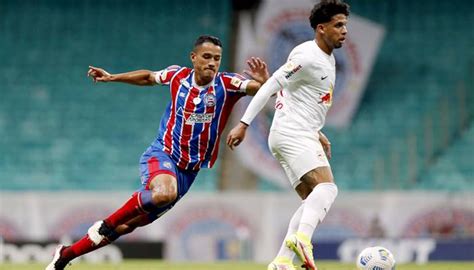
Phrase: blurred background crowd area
(413, 128)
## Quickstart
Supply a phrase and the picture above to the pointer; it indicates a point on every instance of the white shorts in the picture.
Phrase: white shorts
(298, 153)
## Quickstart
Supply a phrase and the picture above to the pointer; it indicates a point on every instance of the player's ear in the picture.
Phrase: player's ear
(320, 29)
(192, 56)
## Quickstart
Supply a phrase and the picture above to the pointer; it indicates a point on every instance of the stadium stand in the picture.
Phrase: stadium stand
(453, 170)
(60, 131)
(414, 128)
(417, 101)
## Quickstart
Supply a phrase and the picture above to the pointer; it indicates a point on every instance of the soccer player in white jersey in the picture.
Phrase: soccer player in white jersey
(304, 88)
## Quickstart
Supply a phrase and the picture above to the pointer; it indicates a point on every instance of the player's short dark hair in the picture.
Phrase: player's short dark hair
(323, 11)
(205, 38)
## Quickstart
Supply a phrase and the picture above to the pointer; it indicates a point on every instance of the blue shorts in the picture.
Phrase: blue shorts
(155, 162)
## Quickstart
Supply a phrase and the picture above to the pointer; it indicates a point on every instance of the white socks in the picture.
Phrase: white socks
(316, 206)
(294, 222)
(310, 213)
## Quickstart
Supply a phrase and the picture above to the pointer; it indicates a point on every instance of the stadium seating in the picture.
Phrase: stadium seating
(417, 101)
(454, 169)
(60, 131)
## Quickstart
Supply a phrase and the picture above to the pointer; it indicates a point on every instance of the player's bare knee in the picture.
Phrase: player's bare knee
(164, 196)
(164, 190)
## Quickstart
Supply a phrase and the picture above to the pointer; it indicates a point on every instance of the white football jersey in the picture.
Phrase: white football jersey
(308, 79)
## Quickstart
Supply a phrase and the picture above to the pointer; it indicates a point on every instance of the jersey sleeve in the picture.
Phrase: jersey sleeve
(296, 68)
(163, 77)
(235, 83)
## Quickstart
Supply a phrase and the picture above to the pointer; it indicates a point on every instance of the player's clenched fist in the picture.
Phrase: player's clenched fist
(98, 74)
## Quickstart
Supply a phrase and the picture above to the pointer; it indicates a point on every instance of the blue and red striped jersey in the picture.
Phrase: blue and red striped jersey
(195, 117)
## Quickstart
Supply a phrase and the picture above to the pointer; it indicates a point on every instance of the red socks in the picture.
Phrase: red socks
(81, 247)
(140, 203)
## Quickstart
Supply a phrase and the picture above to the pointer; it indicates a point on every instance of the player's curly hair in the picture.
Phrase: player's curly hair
(206, 38)
(323, 11)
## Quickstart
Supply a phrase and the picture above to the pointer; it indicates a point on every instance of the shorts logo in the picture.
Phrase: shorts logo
(322, 157)
(210, 100)
(167, 165)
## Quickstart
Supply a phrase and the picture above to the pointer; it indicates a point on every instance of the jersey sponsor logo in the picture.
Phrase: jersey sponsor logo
(196, 118)
(210, 100)
(236, 82)
(291, 69)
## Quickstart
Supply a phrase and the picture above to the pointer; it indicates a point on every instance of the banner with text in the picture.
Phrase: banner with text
(416, 226)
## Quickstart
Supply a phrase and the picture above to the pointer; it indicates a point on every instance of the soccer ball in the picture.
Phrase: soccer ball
(375, 258)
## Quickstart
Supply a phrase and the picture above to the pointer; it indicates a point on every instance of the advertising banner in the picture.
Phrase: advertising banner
(416, 226)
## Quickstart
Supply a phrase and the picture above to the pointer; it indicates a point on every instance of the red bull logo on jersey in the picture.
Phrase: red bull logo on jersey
(325, 99)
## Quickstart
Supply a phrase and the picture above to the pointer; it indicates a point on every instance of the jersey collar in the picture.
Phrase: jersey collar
(201, 87)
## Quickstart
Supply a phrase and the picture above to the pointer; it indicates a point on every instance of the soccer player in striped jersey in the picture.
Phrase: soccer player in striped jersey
(202, 99)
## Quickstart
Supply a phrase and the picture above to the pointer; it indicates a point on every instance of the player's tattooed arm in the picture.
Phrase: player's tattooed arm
(325, 143)
(138, 77)
(258, 72)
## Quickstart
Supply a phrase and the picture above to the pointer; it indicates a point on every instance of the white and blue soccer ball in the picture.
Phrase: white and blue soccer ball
(375, 258)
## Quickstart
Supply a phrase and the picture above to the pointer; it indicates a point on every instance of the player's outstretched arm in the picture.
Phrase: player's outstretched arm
(138, 77)
(258, 72)
(237, 134)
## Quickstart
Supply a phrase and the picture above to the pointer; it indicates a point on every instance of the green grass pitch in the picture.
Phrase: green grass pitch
(158, 265)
